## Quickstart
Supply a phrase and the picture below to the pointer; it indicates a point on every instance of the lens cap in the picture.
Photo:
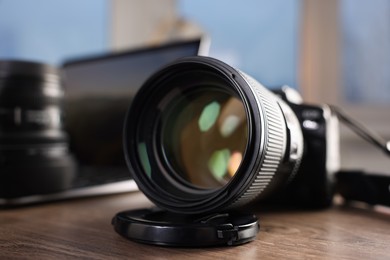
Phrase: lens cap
(160, 227)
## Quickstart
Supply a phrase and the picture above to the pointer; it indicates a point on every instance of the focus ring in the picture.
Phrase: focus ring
(274, 129)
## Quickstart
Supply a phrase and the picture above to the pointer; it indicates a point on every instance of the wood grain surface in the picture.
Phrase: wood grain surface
(81, 229)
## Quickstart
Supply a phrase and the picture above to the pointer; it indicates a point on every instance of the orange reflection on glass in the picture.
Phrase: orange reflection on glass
(234, 163)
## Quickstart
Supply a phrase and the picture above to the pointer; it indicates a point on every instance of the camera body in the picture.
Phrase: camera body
(313, 184)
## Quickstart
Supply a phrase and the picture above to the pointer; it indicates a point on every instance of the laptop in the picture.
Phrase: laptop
(98, 92)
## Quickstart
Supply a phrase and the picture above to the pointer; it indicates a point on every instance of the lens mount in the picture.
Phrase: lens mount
(199, 79)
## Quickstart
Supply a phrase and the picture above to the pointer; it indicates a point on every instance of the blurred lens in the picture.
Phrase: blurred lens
(204, 136)
(34, 155)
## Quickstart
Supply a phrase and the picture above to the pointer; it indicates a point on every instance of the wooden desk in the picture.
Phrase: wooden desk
(82, 229)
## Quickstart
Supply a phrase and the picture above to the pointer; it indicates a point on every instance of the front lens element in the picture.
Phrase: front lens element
(204, 136)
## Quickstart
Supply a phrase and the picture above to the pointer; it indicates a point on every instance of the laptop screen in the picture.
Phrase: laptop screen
(98, 93)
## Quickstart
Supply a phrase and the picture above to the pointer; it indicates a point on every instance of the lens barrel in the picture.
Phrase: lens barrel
(204, 137)
(34, 157)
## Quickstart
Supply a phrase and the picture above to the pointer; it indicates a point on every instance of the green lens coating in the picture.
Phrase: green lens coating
(143, 154)
(204, 136)
(209, 116)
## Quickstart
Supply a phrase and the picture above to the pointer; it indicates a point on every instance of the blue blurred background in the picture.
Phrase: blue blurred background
(53, 30)
(258, 36)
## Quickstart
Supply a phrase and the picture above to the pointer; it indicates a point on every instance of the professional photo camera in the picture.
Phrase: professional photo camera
(203, 139)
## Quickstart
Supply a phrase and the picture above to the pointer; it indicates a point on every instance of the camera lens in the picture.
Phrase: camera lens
(203, 137)
(34, 155)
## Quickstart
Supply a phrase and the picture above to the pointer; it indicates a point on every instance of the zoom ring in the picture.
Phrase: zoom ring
(274, 142)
